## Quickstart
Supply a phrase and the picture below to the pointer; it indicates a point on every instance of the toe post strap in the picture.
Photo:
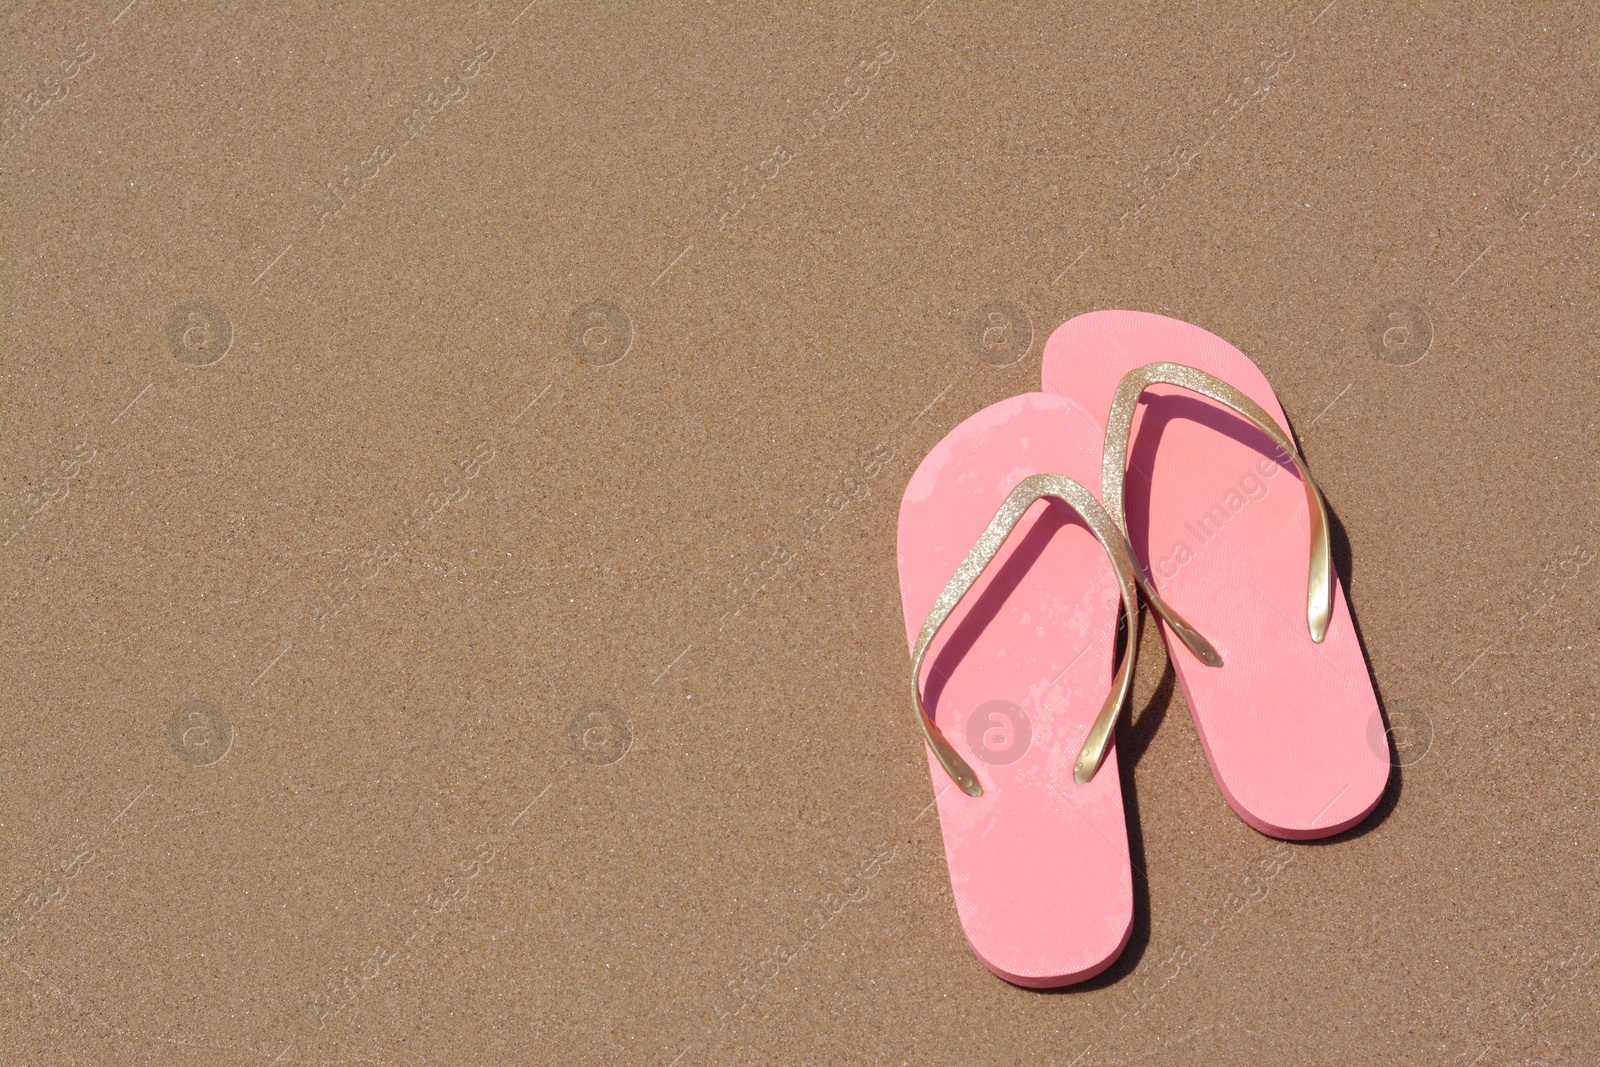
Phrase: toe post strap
(1106, 531)
(1119, 425)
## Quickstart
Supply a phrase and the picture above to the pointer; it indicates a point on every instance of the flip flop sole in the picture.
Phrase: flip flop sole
(1217, 517)
(1039, 865)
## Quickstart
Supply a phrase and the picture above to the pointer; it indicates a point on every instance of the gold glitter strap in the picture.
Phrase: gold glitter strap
(1021, 498)
(1319, 582)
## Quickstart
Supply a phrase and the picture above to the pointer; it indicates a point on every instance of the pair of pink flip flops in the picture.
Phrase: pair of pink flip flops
(1155, 438)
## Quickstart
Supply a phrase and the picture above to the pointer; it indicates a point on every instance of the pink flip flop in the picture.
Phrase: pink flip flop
(1011, 603)
(1219, 514)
